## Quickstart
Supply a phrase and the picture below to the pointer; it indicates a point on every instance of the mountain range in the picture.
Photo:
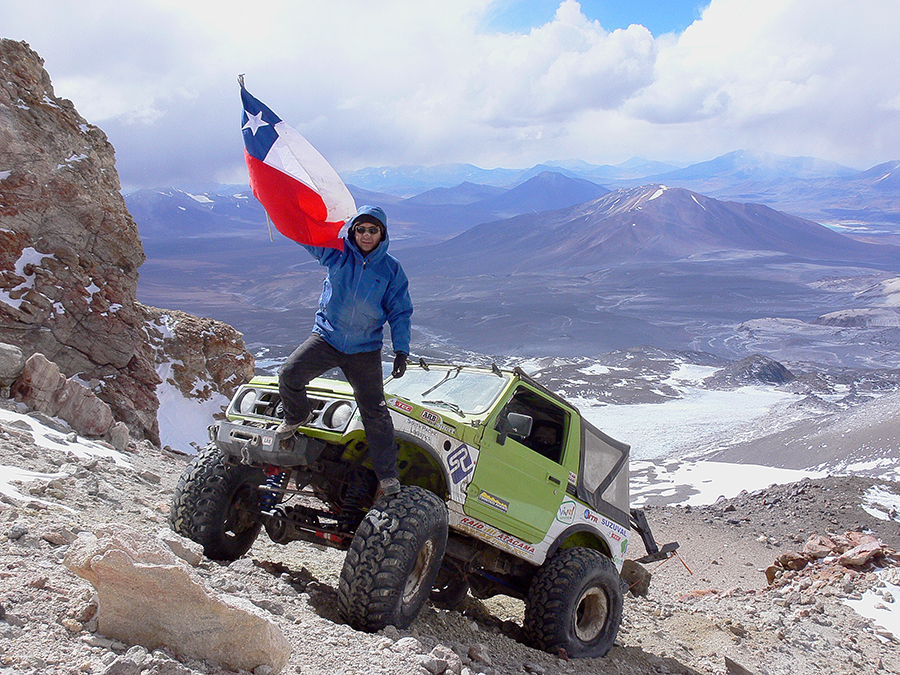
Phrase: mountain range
(558, 265)
(826, 192)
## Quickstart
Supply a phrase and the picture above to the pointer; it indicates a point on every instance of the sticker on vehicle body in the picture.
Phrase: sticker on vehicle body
(401, 405)
(436, 420)
(460, 463)
(268, 440)
(494, 501)
(566, 513)
(590, 516)
(573, 478)
(500, 538)
(614, 527)
(416, 429)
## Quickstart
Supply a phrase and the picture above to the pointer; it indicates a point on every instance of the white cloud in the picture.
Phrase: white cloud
(405, 81)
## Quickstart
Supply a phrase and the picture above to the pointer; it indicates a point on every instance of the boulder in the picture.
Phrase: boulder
(861, 554)
(819, 547)
(636, 576)
(12, 361)
(149, 596)
(42, 387)
(792, 560)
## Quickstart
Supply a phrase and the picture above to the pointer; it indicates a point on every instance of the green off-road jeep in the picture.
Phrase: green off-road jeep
(506, 489)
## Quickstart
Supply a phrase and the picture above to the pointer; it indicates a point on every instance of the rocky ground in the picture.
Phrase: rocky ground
(709, 610)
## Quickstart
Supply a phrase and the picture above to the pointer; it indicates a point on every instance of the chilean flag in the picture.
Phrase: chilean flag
(303, 195)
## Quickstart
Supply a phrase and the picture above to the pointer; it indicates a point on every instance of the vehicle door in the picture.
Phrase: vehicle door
(519, 481)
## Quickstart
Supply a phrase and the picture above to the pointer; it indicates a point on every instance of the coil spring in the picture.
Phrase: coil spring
(270, 496)
(357, 499)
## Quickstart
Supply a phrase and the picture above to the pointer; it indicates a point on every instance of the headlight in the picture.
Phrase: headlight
(247, 404)
(337, 415)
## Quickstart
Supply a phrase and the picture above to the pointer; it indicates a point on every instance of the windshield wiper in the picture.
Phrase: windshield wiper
(446, 404)
(448, 375)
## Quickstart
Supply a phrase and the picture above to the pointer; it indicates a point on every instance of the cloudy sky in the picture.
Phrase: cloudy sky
(492, 82)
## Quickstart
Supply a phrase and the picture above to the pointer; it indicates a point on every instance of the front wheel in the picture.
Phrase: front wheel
(393, 560)
(575, 603)
(216, 504)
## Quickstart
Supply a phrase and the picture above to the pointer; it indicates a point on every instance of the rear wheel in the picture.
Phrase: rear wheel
(393, 560)
(575, 603)
(216, 504)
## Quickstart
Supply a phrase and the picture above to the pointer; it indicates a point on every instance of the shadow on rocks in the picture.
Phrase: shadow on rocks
(322, 597)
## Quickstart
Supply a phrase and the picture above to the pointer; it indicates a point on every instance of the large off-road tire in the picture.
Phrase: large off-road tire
(575, 603)
(217, 505)
(393, 560)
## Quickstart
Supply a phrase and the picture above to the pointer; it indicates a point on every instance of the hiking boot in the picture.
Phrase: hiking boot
(387, 487)
(286, 429)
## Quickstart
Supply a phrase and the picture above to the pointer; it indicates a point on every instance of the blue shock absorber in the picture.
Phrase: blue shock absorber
(271, 496)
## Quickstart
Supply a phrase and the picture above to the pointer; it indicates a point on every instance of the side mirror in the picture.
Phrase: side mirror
(514, 424)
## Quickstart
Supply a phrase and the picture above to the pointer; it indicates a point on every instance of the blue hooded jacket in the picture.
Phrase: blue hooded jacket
(362, 293)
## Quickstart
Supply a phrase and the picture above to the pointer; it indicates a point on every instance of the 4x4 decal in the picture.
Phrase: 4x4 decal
(502, 539)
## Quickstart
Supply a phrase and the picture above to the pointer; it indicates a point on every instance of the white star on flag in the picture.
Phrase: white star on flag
(254, 122)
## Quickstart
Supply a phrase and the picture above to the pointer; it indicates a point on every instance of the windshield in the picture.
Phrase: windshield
(471, 392)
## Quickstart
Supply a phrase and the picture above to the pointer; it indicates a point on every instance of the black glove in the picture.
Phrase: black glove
(399, 365)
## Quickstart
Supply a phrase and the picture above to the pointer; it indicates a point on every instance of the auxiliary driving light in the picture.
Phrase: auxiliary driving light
(247, 403)
(337, 415)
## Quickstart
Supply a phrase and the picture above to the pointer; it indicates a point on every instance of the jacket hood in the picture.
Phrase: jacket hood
(364, 214)
(375, 212)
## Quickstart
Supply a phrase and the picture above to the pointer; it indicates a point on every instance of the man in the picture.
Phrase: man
(365, 288)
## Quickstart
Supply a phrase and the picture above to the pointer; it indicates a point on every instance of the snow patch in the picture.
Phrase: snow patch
(28, 256)
(702, 483)
(202, 199)
(182, 420)
(51, 439)
(595, 369)
(874, 605)
(881, 503)
(680, 426)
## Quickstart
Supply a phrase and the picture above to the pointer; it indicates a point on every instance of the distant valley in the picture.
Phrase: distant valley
(558, 265)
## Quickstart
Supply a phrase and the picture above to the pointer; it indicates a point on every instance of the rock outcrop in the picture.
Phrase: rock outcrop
(43, 388)
(149, 596)
(70, 253)
(200, 356)
(755, 369)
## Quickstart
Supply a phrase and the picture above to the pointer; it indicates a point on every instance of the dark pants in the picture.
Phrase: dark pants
(363, 371)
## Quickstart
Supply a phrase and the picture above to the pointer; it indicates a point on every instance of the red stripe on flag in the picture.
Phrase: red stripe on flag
(297, 210)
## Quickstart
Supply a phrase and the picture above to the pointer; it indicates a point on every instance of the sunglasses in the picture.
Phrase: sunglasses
(362, 229)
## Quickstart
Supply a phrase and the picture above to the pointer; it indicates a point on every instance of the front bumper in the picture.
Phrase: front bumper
(254, 445)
